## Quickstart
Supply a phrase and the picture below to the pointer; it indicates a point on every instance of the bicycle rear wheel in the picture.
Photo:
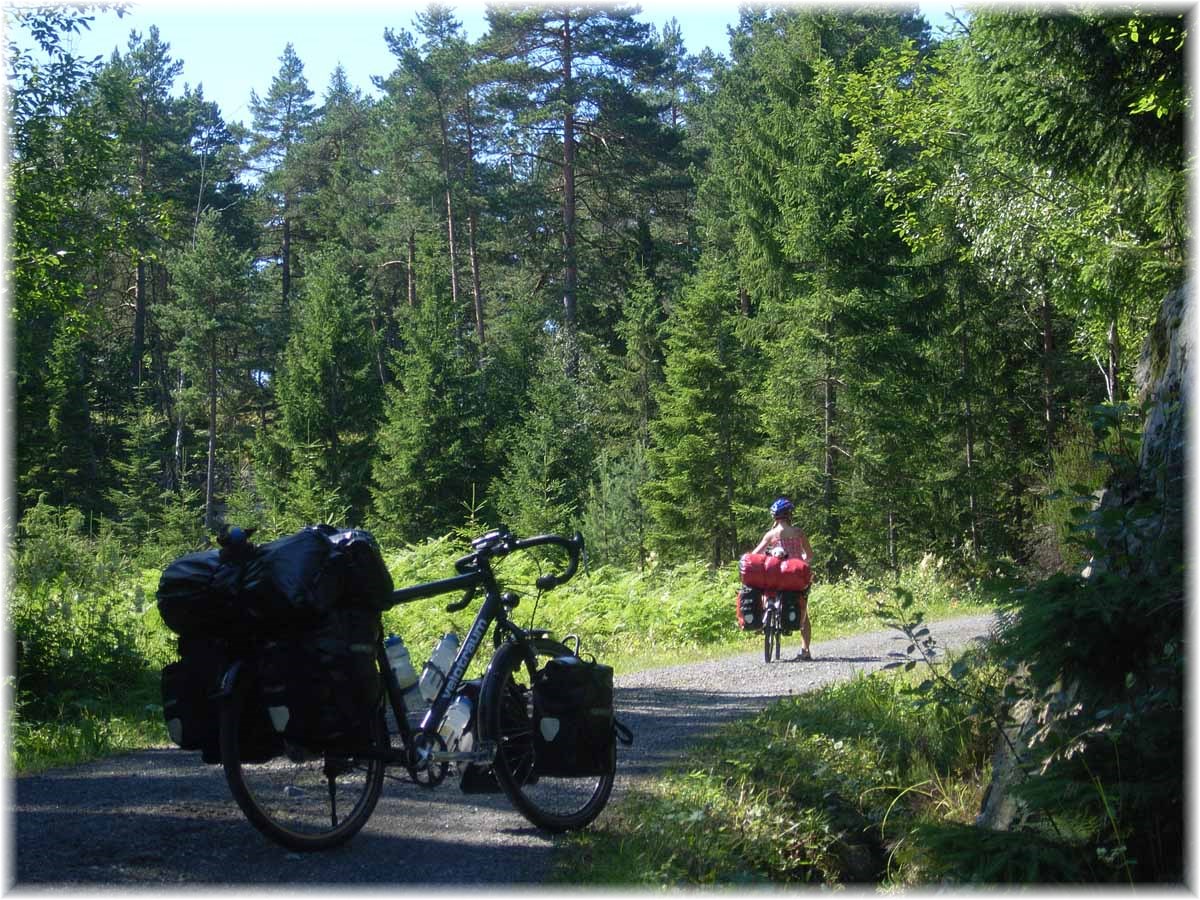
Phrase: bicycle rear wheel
(554, 804)
(300, 798)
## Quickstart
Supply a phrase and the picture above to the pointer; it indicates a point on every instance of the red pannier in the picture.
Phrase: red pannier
(769, 573)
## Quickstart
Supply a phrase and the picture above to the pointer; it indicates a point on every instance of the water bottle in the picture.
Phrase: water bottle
(434, 674)
(454, 725)
(400, 662)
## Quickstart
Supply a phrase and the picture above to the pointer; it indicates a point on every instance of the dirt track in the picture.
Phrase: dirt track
(160, 817)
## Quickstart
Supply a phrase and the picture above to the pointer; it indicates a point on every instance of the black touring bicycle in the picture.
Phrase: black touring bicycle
(289, 687)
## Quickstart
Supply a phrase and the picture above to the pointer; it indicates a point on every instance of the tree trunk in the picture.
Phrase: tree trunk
(139, 300)
(286, 258)
(211, 475)
(451, 231)
(412, 268)
(892, 561)
(968, 419)
(729, 463)
(139, 323)
(472, 236)
(178, 452)
(453, 250)
(832, 521)
(744, 301)
(570, 265)
(1047, 373)
(1114, 362)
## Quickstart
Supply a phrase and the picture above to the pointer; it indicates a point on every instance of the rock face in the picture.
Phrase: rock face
(1136, 541)
(1164, 378)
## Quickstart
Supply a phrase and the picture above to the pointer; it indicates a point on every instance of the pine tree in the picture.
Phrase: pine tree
(280, 122)
(556, 69)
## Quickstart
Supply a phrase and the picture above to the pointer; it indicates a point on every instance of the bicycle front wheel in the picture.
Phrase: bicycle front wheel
(554, 804)
(303, 799)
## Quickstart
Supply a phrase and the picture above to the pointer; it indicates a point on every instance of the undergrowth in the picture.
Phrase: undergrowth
(859, 783)
(90, 643)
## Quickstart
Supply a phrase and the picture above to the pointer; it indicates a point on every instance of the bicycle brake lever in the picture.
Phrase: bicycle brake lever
(461, 604)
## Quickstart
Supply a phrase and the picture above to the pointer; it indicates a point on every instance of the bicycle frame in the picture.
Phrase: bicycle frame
(493, 610)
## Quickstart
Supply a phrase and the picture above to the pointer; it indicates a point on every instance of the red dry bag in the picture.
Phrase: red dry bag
(769, 573)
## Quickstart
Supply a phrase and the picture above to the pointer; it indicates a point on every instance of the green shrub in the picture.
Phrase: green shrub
(76, 613)
(822, 788)
(652, 616)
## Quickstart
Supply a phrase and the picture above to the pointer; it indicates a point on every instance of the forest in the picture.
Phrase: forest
(571, 275)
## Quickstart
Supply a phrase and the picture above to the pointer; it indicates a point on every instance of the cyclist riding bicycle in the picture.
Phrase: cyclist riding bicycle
(793, 542)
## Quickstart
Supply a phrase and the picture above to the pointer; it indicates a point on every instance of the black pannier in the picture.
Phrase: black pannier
(189, 695)
(192, 704)
(790, 610)
(366, 581)
(573, 728)
(287, 582)
(750, 609)
(321, 686)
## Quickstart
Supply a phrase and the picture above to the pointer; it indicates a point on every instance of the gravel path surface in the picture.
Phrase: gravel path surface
(160, 816)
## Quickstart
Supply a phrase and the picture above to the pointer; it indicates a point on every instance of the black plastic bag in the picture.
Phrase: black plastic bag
(192, 705)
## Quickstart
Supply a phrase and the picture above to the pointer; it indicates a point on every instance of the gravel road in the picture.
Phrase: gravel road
(159, 816)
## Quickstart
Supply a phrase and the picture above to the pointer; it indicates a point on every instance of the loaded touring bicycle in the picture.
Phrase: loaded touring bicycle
(285, 680)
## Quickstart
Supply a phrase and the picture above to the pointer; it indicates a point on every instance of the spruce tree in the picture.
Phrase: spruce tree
(429, 464)
(327, 387)
(552, 450)
(705, 427)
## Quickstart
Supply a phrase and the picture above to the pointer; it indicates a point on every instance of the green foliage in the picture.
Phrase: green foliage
(645, 617)
(842, 264)
(80, 623)
(703, 429)
(831, 788)
(1080, 464)
(328, 387)
(430, 442)
(1098, 748)
(552, 450)
(614, 517)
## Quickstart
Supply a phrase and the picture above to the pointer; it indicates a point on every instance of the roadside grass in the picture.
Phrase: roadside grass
(88, 729)
(835, 787)
(90, 642)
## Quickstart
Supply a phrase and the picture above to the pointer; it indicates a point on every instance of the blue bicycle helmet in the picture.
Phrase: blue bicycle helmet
(782, 507)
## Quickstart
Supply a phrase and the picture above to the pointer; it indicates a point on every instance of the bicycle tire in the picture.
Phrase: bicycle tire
(288, 797)
(552, 804)
(768, 640)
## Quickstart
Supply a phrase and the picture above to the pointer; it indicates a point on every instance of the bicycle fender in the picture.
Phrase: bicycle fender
(229, 679)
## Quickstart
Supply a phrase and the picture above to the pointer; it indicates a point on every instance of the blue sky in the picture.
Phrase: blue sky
(231, 48)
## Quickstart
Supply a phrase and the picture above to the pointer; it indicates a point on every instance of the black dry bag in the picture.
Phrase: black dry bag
(198, 596)
(366, 581)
